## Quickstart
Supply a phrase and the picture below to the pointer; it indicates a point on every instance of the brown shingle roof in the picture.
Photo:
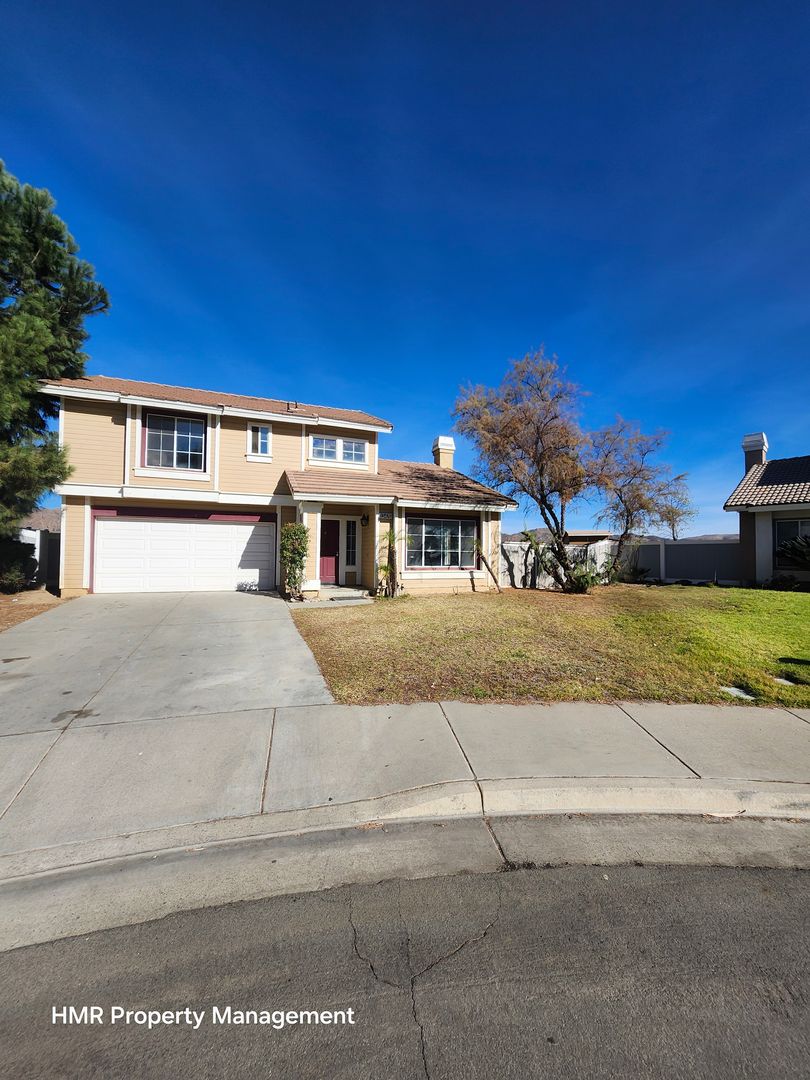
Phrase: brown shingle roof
(782, 482)
(49, 518)
(396, 480)
(162, 392)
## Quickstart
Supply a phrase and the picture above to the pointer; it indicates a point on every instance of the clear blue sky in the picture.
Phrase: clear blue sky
(367, 204)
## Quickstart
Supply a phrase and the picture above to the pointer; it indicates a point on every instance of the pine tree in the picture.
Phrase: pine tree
(46, 292)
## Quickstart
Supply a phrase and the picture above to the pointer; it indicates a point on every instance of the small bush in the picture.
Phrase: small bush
(12, 579)
(787, 583)
(17, 565)
(293, 548)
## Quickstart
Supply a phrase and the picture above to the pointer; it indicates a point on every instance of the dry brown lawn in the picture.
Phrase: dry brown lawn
(25, 605)
(623, 642)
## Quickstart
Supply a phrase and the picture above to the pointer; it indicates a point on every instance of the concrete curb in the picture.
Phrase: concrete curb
(532, 796)
(138, 888)
(459, 827)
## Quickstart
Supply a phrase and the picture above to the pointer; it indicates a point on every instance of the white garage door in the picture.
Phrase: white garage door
(138, 555)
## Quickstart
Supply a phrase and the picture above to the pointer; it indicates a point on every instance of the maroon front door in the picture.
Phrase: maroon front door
(330, 543)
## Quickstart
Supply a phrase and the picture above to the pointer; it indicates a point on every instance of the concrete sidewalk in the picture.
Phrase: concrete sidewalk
(241, 783)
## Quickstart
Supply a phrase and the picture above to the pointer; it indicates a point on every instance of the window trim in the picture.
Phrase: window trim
(343, 566)
(203, 473)
(444, 568)
(250, 453)
(353, 565)
(337, 462)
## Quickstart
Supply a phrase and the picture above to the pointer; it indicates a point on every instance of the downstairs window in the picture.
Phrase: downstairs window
(440, 543)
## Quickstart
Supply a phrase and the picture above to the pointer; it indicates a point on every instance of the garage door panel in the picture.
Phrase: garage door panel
(139, 555)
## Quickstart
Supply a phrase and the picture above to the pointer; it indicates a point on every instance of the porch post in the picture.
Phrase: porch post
(311, 517)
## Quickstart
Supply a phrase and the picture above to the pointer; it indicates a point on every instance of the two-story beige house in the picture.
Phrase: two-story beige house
(176, 489)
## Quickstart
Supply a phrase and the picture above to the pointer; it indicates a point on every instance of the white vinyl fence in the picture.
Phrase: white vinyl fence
(663, 560)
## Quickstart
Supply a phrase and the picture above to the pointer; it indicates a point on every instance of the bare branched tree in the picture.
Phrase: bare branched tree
(638, 492)
(530, 444)
(676, 510)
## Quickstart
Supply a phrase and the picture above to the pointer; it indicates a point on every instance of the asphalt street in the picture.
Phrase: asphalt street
(569, 972)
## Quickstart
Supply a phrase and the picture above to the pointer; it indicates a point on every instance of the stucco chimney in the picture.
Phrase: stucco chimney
(443, 450)
(755, 448)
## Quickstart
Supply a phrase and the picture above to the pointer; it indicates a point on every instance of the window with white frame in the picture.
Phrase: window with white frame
(333, 448)
(789, 530)
(439, 543)
(259, 444)
(354, 450)
(324, 449)
(174, 442)
(351, 544)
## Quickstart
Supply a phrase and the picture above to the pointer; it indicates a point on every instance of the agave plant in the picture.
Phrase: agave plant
(797, 549)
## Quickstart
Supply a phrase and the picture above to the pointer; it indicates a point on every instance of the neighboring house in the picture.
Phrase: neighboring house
(48, 519)
(773, 501)
(177, 489)
(577, 537)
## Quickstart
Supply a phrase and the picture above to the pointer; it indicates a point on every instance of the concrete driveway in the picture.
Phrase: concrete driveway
(113, 659)
(130, 712)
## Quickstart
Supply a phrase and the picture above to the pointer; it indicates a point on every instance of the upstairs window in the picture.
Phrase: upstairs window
(174, 442)
(324, 449)
(440, 543)
(354, 450)
(259, 440)
(350, 451)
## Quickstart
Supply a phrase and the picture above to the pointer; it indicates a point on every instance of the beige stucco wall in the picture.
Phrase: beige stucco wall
(93, 433)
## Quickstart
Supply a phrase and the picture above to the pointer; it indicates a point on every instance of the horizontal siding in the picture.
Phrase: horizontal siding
(368, 570)
(311, 521)
(93, 433)
(73, 541)
(434, 588)
(237, 474)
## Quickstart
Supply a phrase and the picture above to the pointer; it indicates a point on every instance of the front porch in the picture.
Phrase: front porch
(349, 543)
(342, 548)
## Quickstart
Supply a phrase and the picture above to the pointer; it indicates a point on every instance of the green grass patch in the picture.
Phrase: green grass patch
(673, 643)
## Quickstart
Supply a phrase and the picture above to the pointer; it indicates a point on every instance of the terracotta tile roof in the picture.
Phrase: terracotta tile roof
(781, 482)
(161, 392)
(396, 480)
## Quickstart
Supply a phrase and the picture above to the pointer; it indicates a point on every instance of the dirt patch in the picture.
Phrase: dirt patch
(25, 605)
